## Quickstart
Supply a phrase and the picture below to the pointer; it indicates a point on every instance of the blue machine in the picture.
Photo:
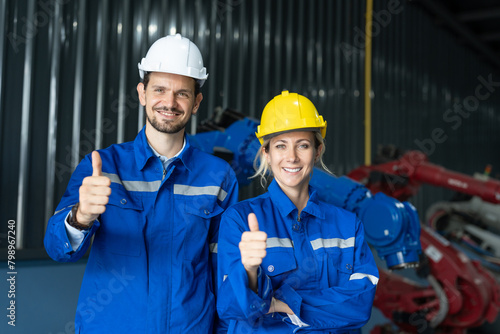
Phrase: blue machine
(391, 227)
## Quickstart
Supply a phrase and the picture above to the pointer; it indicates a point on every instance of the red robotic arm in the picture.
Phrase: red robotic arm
(462, 294)
(402, 178)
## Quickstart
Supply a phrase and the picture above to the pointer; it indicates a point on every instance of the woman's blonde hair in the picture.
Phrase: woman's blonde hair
(262, 167)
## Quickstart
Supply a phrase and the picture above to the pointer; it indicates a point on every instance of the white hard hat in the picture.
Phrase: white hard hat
(174, 54)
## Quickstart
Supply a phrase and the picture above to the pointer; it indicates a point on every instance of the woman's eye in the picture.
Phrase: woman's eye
(304, 146)
(280, 146)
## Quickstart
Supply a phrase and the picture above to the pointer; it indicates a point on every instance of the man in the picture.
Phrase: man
(153, 207)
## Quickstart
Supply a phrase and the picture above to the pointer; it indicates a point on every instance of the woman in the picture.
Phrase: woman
(286, 260)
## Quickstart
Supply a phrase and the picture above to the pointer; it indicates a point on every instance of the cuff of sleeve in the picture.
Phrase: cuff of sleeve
(289, 296)
(253, 305)
(75, 236)
(265, 287)
(296, 321)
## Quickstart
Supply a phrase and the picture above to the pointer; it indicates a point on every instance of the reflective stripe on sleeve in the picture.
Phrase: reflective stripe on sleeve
(181, 189)
(331, 243)
(372, 278)
(279, 242)
(143, 186)
(69, 206)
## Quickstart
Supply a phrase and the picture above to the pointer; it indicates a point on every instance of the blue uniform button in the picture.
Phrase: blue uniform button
(123, 201)
(296, 227)
(270, 268)
(206, 212)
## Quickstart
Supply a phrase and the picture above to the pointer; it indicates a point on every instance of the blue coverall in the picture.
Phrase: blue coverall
(150, 265)
(318, 263)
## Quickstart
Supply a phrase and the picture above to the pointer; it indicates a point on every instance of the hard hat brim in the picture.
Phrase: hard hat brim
(263, 138)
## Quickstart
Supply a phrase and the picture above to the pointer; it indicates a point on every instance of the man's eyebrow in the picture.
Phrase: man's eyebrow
(184, 90)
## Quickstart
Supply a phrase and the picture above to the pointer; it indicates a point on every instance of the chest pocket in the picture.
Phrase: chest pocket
(202, 209)
(279, 265)
(340, 265)
(121, 224)
(194, 227)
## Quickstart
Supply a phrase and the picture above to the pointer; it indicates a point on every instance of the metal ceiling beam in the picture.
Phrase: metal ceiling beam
(458, 27)
(478, 15)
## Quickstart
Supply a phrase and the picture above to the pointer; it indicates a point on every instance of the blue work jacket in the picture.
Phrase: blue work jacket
(150, 265)
(318, 263)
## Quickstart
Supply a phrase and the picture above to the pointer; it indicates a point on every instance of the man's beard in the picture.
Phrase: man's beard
(168, 126)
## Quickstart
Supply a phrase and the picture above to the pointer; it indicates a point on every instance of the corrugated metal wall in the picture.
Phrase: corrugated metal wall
(68, 73)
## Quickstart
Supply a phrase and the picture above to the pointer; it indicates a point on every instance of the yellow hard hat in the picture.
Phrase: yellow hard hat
(289, 111)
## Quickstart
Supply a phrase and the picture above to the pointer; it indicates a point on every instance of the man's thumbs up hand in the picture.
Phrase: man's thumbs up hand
(94, 193)
(253, 245)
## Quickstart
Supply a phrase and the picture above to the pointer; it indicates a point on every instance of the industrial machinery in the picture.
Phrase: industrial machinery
(471, 221)
(469, 294)
(460, 294)
(471, 224)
